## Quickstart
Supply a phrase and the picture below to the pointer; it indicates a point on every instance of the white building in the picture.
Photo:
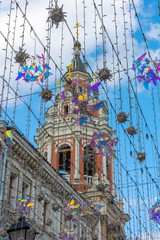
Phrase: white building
(29, 175)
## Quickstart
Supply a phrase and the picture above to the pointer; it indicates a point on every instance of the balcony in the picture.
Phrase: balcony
(88, 179)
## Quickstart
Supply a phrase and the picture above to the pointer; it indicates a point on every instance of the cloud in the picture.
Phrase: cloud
(153, 33)
(37, 15)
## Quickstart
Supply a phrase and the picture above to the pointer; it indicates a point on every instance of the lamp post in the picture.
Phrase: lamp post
(21, 230)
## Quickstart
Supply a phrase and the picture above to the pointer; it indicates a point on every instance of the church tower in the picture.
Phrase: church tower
(69, 142)
(67, 146)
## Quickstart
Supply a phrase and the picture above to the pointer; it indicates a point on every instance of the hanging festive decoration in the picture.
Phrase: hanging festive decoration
(46, 95)
(154, 212)
(80, 121)
(67, 233)
(24, 206)
(122, 117)
(82, 97)
(56, 15)
(104, 143)
(79, 105)
(72, 211)
(131, 131)
(147, 70)
(34, 72)
(92, 204)
(4, 236)
(104, 74)
(94, 88)
(21, 57)
(6, 137)
(141, 156)
(63, 96)
(96, 107)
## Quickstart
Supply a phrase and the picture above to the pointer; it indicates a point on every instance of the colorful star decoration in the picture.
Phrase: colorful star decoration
(68, 233)
(4, 238)
(33, 72)
(154, 212)
(104, 143)
(24, 205)
(6, 137)
(78, 209)
(147, 70)
(80, 121)
(81, 101)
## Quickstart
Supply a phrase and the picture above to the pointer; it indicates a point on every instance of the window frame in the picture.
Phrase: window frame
(88, 171)
(62, 164)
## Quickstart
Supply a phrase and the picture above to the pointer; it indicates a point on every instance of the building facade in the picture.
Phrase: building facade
(27, 175)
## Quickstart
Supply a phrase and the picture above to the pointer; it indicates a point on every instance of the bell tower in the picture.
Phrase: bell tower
(71, 126)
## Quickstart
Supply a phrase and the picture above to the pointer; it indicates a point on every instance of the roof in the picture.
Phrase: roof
(79, 66)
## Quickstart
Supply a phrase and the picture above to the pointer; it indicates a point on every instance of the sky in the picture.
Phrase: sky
(37, 15)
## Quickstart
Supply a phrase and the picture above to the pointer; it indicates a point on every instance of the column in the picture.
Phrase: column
(76, 175)
(49, 152)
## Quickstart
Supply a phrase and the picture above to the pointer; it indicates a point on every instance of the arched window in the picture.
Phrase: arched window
(89, 166)
(64, 158)
(66, 109)
(80, 90)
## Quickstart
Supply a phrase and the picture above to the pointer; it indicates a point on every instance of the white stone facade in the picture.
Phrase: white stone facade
(29, 175)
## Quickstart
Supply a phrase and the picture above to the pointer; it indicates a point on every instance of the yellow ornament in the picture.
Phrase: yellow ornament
(80, 98)
(71, 203)
(8, 133)
(85, 96)
(30, 204)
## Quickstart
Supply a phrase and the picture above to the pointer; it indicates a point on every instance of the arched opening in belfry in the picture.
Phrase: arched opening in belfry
(64, 158)
(89, 165)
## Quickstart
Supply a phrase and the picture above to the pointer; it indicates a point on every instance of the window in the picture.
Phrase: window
(44, 213)
(64, 155)
(57, 216)
(89, 166)
(80, 90)
(25, 190)
(12, 189)
(66, 109)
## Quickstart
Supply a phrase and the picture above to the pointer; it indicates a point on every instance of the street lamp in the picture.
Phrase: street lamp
(21, 230)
